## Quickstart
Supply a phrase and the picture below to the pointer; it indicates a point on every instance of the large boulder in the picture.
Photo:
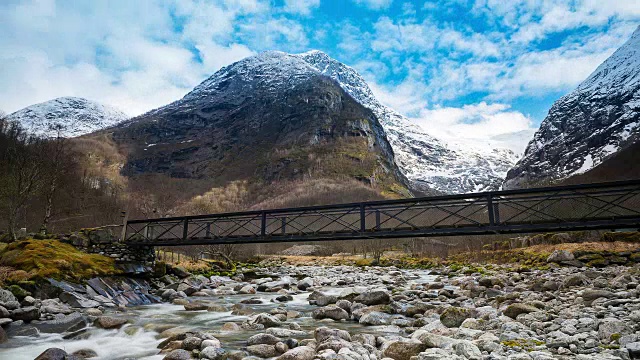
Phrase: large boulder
(330, 312)
(373, 297)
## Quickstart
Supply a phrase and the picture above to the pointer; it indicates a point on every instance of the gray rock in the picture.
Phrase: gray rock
(54, 354)
(213, 353)
(330, 312)
(634, 349)
(375, 318)
(76, 300)
(110, 322)
(178, 354)
(286, 333)
(7, 296)
(28, 313)
(403, 350)
(262, 350)
(305, 283)
(575, 280)
(374, 297)
(61, 323)
(437, 354)
(611, 326)
(299, 353)
(559, 256)
(191, 343)
(263, 339)
(516, 309)
(454, 316)
(267, 320)
(467, 350)
(4, 313)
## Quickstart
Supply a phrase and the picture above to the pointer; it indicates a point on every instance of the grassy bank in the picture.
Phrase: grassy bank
(33, 260)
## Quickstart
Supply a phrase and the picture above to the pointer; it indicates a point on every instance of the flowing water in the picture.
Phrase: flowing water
(137, 340)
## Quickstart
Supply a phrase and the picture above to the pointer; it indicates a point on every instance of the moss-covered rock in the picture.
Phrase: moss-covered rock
(598, 263)
(454, 316)
(18, 292)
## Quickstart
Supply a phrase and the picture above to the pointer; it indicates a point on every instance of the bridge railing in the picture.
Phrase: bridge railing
(607, 205)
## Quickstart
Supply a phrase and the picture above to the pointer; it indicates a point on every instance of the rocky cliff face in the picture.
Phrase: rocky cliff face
(588, 126)
(428, 162)
(68, 116)
(270, 117)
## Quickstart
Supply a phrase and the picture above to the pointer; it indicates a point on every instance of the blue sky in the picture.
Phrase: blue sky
(459, 68)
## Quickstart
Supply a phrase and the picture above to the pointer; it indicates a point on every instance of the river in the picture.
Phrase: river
(139, 339)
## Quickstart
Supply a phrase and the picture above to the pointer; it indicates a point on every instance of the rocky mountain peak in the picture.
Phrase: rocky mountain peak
(585, 127)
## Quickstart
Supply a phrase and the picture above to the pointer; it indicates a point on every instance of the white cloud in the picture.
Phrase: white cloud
(136, 58)
(374, 4)
(302, 7)
(482, 123)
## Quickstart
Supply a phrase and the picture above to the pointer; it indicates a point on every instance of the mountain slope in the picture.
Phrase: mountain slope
(587, 126)
(428, 162)
(71, 116)
(267, 118)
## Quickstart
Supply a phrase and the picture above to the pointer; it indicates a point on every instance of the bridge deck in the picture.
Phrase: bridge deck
(614, 205)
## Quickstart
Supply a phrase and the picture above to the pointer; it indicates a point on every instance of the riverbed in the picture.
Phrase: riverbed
(138, 340)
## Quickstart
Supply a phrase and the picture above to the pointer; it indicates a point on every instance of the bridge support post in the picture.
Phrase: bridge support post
(185, 229)
(284, 225)
(263, 224)
(377, 219)
(492, 220)
(363, 223)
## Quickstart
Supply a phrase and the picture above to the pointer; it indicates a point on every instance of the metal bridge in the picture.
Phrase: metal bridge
(614, 205)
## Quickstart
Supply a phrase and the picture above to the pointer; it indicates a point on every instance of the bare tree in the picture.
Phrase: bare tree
(53, 162)
(21, 170)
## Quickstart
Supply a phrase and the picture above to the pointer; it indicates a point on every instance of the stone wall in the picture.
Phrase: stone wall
(103, 241)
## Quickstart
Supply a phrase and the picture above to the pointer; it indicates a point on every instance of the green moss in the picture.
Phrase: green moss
(631, 236)
(615, 336)
(40, 259)
(18, 292)
(526, 344)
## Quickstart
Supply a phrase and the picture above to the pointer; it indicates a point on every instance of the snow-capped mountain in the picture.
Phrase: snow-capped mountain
(68, 116)
(267, 118)
(428, 162)
(585, 127)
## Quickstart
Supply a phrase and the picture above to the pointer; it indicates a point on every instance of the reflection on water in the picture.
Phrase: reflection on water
(138, 341)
